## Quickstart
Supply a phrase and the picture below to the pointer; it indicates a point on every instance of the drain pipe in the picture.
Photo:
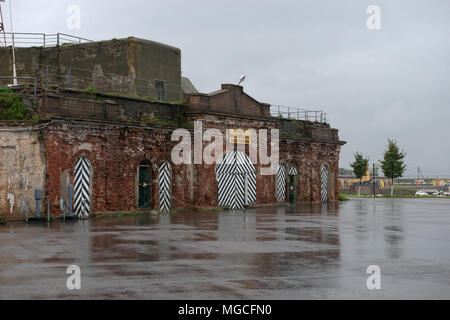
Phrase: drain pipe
(48, 210)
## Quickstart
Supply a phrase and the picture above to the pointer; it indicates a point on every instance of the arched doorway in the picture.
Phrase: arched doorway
(292, 174)
(281, 183)
(325, 180)
(165, 186)
(145, 185)
(82, 187)
(236, 176)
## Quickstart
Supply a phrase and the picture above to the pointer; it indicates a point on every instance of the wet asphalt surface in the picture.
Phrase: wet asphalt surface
(294, 252)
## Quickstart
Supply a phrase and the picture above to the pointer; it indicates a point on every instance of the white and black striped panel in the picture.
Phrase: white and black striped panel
(293, 171)
(324, 178)
(236, 176)
(227, 164)
(165, 186)
(226, 189)
(243, 164)
(281, 183)
(82, 187)
(239, 202)
(251, 188)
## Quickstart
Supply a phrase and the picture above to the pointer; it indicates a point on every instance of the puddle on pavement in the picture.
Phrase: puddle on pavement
(303, 251)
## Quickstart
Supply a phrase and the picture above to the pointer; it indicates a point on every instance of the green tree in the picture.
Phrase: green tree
(393, 163)
(360, 167)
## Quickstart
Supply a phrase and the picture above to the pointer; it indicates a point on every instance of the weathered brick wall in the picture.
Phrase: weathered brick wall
(308, 157)
(22, 168)
(115, 152)
(229, 100)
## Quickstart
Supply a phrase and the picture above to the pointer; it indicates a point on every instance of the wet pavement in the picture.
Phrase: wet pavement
(294, 252)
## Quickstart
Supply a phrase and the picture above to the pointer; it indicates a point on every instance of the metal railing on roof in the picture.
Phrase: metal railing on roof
(69, 77)
(30, 39)
(298, 114)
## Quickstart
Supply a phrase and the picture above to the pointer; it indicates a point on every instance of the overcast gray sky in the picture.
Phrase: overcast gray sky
(313, 54)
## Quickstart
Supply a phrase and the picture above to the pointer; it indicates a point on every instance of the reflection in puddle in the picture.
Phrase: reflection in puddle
(301, 251)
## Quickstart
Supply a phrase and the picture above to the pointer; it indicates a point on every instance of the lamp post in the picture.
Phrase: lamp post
(241, 80)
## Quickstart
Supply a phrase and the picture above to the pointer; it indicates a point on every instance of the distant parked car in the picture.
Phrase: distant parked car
(421, 194)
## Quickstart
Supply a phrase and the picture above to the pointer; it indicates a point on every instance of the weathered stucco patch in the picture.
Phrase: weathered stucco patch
(22, 169)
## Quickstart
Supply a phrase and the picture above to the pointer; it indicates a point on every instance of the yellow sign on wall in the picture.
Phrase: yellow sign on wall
(239, 136)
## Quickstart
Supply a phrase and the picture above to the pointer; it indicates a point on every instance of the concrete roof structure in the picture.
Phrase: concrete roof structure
(187, 87)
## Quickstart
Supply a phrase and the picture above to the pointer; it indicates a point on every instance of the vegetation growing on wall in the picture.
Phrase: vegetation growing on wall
(91, 90)
(11, 106)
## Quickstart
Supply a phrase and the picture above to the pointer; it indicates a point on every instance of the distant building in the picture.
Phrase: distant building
(346, 181)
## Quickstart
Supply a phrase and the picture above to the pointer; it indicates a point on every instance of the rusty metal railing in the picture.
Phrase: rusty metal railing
(31, 39)
(293, 113)
(101, 82)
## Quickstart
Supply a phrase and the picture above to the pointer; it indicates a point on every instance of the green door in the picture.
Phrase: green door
(145, 186)
(291, 189)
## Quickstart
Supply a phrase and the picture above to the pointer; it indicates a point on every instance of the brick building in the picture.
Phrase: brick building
(117, 150)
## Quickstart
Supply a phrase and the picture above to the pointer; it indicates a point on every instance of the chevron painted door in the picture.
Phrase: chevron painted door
(281, 183)
(324, 177)
(165, 186)
(82, 187)
(236, 176)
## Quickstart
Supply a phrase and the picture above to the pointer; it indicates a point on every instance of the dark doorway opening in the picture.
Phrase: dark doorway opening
(291, 189)
(145, 185)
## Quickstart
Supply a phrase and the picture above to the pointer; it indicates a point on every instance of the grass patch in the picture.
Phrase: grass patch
(168, 123)
(414, 197)
(396, 196)
(182, 211)
(213, 209)
(188, 125)
(343, 198)
(196, 210)
(120, 214)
